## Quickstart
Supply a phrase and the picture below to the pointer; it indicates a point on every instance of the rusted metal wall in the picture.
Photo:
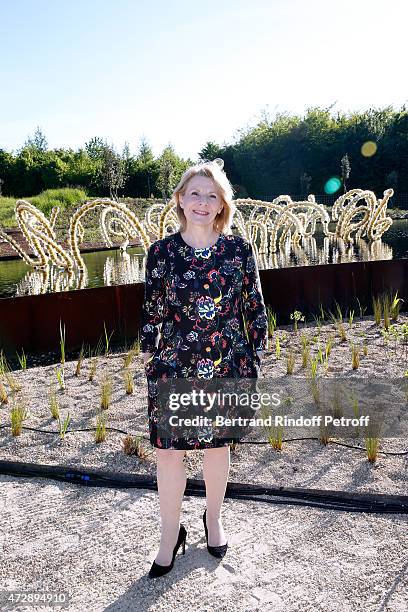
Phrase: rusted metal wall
(32, 322)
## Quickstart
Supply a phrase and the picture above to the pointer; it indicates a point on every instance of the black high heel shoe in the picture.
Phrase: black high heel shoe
(159, 570)
(215, 551)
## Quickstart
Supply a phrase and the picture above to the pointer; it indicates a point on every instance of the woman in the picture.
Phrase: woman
(201, 282)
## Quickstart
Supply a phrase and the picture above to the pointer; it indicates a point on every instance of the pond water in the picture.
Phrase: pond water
(112, 267)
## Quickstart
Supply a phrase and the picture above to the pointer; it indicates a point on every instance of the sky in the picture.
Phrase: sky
(186, 73)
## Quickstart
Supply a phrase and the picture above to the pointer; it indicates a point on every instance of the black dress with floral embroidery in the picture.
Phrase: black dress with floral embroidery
(195, 303)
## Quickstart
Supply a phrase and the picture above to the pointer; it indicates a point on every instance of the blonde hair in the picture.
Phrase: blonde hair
(213, 170)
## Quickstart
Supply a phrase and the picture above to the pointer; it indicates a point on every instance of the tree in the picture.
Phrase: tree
(210, 151)
(95, 148)
(170, 169)
(113, 171)
(167, 166)
(345, 170)
(146, 162)
(38, 143)
(145, 153)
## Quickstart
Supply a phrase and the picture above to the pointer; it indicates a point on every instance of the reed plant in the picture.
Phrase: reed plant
(132, 445)
(318, 321)
(62, 342)
(79, 361)
(59, 372)
(314, 388)
(4, 366)
(107, 340)
(22, 360)
(355, 406)
(361, 308)
(134, 351)
(324, 432)
(313, 367)
(277, 348)
(312, 374)
(356, 411)
(395, 306)
(63, 426)
(337, 407)
(128, 378)
(127, 359)
(93, 362)
(290, 360)
(329, 345)
(3, 394)
(136, 346)
(386, 306)
(18, 414)
(53, 401)
(371, 444)
(377, 310)
(12, 382)
(364, 341)
(355, 355)
(338, 323)
(324, 437)
(339, 312)
(305, 350)
(106, 390)
(271, 317)
(100, 430)
(322, 313)
(275, 437)
(341, 331)
(351, 318)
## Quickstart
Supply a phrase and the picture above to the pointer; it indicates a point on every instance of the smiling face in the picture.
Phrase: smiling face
(201, 201)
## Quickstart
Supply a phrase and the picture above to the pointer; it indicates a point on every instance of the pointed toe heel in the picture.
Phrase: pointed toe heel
(215, 551)
(157, 570)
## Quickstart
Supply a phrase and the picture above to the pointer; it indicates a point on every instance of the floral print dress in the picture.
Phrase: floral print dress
(195, 303)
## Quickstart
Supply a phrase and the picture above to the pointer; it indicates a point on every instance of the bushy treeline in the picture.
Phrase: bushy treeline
(97, 168)
(297, 155)
(284, 154)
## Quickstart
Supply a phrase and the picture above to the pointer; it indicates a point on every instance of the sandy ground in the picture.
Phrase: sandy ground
(97, 544)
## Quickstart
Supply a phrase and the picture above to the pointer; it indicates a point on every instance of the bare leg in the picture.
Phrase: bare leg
(215, 470)
(171, 483)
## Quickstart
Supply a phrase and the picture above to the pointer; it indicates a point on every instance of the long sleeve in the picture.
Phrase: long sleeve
(153, 303)
(253, 303)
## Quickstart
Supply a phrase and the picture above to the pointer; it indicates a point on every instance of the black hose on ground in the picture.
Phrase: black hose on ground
(326, 499)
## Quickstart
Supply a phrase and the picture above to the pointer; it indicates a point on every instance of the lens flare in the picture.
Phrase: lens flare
(332, 185)
(369, 148)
